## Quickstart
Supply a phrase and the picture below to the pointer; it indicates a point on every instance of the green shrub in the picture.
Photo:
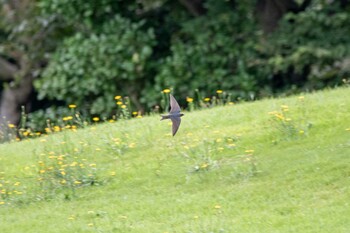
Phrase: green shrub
(89, 70)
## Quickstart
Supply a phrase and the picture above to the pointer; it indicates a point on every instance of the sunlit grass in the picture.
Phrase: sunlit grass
(232, 168)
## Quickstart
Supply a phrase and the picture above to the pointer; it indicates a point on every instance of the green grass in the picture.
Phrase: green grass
(228, 169)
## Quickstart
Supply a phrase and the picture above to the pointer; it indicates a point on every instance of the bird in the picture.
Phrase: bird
(174, 114)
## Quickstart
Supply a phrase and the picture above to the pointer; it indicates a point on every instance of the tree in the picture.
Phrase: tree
(88, 51)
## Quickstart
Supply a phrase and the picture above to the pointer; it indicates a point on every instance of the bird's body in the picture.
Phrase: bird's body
(174, 114)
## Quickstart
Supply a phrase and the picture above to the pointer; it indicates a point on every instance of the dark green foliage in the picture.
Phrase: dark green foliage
(310, 50)
(139, 48)
(89, 70)
(212, 52)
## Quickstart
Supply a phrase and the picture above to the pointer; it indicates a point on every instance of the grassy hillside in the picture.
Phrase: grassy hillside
(279, 165)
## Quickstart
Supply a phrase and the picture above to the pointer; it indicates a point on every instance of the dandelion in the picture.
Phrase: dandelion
(217, 206)
(166, 91)
(112, 173)
(67, 118)
(249, 151)
(207, 99)
(77, 182)
(139, 116)
(11, 126)
(189, 99)
(25, 134)
(119, 103)
(90, 224)
(301, 132)
(56, 128)
(279, 116)
(123, 106)
(219, 91)
(72, 106)
(204, 165)
(92, 165)
(111, 121)
(117, 97)
(2, 203)
(134, 113)
(17, 183)
(96, 119)
(63, 181)
(231, 103)
(72, 217)
(195, 217)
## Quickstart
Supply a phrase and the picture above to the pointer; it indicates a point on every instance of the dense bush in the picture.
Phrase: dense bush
(213, 52)
(310, 50)
(138, 49)
(89, 70)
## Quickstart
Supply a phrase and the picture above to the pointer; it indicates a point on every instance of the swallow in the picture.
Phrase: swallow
(174, 114)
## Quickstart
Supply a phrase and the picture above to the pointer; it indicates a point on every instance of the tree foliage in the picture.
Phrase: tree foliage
(86, 52)
(89, 70)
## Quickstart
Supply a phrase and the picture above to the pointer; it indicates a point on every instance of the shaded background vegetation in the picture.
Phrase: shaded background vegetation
(59, 52)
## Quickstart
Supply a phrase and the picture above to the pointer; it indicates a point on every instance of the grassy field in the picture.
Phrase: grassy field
(278, 165)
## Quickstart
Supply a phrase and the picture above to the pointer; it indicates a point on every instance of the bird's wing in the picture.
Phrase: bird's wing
(174, 106)
(176, 124)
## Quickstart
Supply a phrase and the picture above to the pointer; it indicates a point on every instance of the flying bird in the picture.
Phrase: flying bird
(174, 114)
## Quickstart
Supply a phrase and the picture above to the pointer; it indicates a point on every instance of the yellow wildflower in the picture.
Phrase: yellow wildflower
(249, 151)
(123, 106)
(119, 103)
(26, 133)
(72, 106)
(166, 91)
(117, 97)
(96, 119)
(217, 206)
(219, 91)
(11, 126)
(189, 99)
(56, 128)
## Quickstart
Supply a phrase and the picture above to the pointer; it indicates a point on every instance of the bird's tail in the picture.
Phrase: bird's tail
(164, 117)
